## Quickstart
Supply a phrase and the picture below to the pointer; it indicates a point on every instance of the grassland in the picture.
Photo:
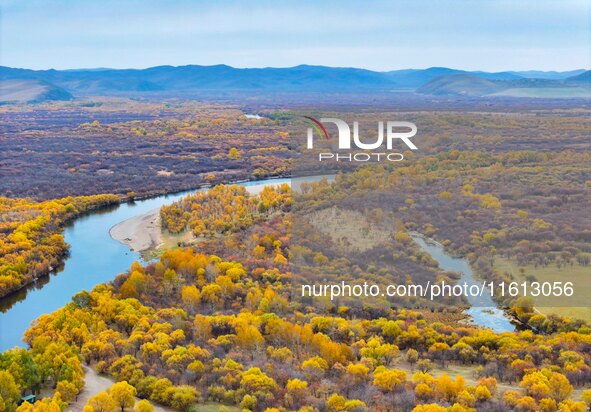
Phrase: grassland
(213, 407)
(550, 92)
(580, 275)
(349, 229)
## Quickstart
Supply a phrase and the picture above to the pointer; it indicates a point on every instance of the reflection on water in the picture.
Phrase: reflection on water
(483, 310)
(94, 258)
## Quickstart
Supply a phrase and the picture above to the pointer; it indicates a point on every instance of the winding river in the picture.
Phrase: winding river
(94, 258)
(97, 258)
(483, 310)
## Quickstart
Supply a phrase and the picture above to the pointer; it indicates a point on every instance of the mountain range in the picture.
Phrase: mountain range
(17, 85)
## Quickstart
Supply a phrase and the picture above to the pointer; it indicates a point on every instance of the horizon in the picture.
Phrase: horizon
(297, 65)
(377, 35)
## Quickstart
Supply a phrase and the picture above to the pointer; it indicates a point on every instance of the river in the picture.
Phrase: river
(483, 310)
(94, 258)
(97, 258)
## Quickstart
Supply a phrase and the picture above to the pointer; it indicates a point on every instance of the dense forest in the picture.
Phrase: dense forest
(31, 242)
(222, 209)
(218, 323)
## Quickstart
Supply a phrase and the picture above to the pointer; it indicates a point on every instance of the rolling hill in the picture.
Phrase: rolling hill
(538, 74)
(584, 77)
(31, 91)
(416, 78)
(220, 77)
(192, 80)
(460, 84)
(471, 85)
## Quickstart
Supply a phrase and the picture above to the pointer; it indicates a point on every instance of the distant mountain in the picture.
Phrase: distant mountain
(31, 91)
(497, 75)
(584, 77)
(192, 80)
(221, 77)
(537, 74)
(413, 79)
(461, 85)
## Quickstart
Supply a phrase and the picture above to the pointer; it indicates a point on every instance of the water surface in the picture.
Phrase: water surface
(483, 310)
(94, 258)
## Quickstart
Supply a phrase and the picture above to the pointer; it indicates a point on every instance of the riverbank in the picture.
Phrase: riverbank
(483, 310)
(140, 232)
(143, 233)
(94, 258)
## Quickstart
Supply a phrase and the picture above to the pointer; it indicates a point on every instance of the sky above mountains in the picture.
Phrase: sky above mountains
(490, 35)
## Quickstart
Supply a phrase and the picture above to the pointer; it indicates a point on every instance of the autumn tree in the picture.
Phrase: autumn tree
(102, 402)
(143, 406)
(9, 391)
(123, 394)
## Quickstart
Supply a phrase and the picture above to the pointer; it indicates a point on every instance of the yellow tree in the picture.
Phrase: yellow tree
(432, 407)
(183, 397)
(388, 379)
(314, 367)
(143, 406)
(9, 391)
(357, 371)
(254, 380)
(335, 403)
(249, 337)
(586, 397)
(191, 296)
(234, 154)
(68, 390)
(102, 402)
(123, 394)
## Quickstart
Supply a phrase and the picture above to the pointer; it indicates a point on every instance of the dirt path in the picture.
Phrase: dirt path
(93, 384)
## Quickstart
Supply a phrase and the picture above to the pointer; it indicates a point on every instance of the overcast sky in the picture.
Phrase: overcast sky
(490, 35)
